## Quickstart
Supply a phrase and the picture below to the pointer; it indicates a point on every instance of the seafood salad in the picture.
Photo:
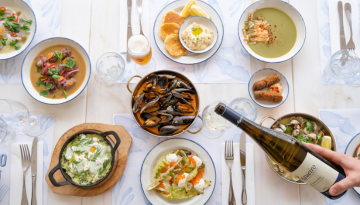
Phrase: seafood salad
(305, 131)
(165, 104)
(14, 29)
(179, 175)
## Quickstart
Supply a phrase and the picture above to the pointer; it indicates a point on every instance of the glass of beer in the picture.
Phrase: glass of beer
(140, 51)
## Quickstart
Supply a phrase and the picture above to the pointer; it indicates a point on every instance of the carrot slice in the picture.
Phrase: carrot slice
(60, 78)
(70, 83)
(50, 55)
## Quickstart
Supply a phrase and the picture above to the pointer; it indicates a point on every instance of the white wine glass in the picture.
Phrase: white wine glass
(214, 124)
(7, 134)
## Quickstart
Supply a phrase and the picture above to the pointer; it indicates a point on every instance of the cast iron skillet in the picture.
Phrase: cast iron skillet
(67, 177)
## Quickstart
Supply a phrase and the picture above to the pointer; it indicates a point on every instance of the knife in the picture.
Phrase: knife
(342, 34)
(33, 170)
(129, 29)
(243, 166)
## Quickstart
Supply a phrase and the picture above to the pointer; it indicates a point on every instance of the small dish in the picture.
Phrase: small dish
(25, 8)
(261, 74)
(168, 146)
(350, 150)
(203, 21)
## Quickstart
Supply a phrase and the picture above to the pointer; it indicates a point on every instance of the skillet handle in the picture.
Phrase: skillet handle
(128, 82)
(52, 179)
(197, 131)
(118, 141)
(266, 117)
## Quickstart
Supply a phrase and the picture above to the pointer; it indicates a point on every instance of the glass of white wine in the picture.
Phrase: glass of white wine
(214, 124)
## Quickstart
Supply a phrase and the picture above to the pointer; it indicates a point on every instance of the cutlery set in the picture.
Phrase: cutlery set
(229, 157)
(26, 160)
(129, 28)
(350, 46)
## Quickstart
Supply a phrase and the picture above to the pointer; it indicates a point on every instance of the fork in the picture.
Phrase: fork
(25, 160)
(3, 190)
(350, 45)
(139, 7)
(229, 158)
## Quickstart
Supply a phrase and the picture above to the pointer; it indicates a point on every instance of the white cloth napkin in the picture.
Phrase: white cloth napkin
(16, 179)
(237, 175)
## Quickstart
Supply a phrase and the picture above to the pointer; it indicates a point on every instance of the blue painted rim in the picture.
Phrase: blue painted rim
(357, 135)
(222, 25)
(208, 48)
(32, 37)
(178, 139)
(287, 83)
(22, 81)
(239, 33)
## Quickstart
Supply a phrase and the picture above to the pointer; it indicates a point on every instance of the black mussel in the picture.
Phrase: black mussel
(180, 95)
(170, 77)
(153, 79)
(164, 117)
(172, 111)
(184, 90)
(139, 102)
(183, 120)
(171, 102)
(163, 80)
(152, 122)
(149, 104)
(183, 101)
(181, 84)
(150, 95)
(172, 85)
(184, 108)
(168, 129)
(153, 109)
(145, 115)
(167, 100)
(162, 91)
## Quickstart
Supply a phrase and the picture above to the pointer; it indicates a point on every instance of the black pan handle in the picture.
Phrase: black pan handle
(53, 181)
(118, 141)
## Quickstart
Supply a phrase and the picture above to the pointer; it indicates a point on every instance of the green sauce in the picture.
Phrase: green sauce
(282, 33)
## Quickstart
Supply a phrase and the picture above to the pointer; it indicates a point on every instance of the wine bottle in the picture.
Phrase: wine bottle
(289, 153)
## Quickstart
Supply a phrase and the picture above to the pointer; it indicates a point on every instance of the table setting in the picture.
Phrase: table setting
(177, 102)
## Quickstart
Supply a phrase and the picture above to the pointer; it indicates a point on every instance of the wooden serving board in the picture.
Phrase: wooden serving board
(119, 163)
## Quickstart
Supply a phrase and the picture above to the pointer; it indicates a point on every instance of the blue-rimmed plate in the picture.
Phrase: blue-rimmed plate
(147, 175)
(189, 58)
(351, 149)
(29, 13)
(261, 74)
(28, 65)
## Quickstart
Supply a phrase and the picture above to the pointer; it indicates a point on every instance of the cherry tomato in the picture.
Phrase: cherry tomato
(13, 34)
(16, 17)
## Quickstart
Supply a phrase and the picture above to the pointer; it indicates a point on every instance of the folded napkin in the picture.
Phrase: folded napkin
(237, 175)
(16, 179)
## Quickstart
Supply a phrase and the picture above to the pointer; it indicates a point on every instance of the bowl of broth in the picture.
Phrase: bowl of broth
(353, 150)
(56, 70)
(272, 31)
(17, 27)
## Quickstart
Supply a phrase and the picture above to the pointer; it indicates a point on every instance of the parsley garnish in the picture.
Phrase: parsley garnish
(48, 86)
(17, 47)
(25, 21)
(13, 42)
(96, 154)
(44, 93)
(53, 96)
(25, 28)
(10, 18)
(319, 138)
(39, 83)
(70, 63)
(3, 41)
(37, 69)
(13, 27)
(303, 139)
(65, 95)
(309, 126)
(58, 55)
(288, 130)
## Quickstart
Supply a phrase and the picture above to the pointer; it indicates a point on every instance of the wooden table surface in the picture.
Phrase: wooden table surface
(100, 100)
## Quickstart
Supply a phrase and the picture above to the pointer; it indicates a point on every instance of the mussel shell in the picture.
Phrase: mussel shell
(180, 96)
(138, 102)
(152, 122)
(145, 115)
(181, 84)
(183, 101)
(183, 120)
(153, 109)
(172, 111)
(184, 90)
(172, 85)
(149, 95)
(167, 76)
(149, 104)
(184, 108)
(171, 102)
(153, 79)
(165, 117)
(168, 129)
(162, 82)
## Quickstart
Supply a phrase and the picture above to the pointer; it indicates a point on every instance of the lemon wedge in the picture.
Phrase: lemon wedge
(326, 142)
(185, 12)
(197, 11)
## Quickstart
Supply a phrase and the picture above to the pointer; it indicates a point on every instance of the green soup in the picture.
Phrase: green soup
(282, 32)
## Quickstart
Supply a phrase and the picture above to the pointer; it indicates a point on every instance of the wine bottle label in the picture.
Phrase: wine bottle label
(317, 174)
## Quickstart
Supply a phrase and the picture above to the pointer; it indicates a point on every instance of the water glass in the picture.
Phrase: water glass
(7, 134)
(214, 124)
(110, 67)
(245, 107)
(343, 65)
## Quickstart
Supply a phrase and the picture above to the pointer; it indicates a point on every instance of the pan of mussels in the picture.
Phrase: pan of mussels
(164, 103)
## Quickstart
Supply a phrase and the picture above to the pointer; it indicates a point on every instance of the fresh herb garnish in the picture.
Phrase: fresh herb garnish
(288, 130)
(319, 138)
(37, 69)
(48, 86)
(56, 77)
(53, 96)
(96, 154)
(85, 141)
(103, 168)
(3, 41)
(79, 152)
(10, 18)
(65, 95)
(309, 126)
(76, 162)
(39, 82)
(25, 21)
(58, 55)
(13, 27)
(82, 175)
(44, 93)
(70, 63)
(17, 47)
(25, 28)
(13, 42)
(303, 139)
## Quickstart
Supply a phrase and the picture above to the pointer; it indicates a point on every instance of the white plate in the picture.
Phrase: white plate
(189, 58)
(203, 21)
(289, 10)
(350, 150)
(26, 9)
(261, 74)
(165, 147)
(34, 52)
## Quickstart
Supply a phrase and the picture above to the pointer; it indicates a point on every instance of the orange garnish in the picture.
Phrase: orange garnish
(179, 177)
(60, 78)
(196, 179)
(192, 160)
(201, 170)
(167, 193)
(164, 169)
(171, 181)
(44, 78)
(172, 164)
(162, 185)
(92, 150)
(48, 64)
(158, 191)
(50, 55)
(70, 83)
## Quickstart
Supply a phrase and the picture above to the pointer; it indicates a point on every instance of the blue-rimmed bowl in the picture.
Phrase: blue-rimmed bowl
(261, 74)
(164, 147)
(27, 10)
(291, 12)
(28, 65)
(203, 21)
(351, 149)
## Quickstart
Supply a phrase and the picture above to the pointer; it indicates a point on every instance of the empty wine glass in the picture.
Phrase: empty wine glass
(214, 124)
(343, 65)
(245, 107)
(7, 134)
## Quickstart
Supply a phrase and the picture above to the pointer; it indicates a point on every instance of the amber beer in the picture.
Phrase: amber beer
(139, 49)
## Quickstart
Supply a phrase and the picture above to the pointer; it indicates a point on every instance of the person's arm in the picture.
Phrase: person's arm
(350, 165)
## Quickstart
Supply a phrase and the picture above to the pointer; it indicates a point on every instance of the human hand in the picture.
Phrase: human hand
(350, 165)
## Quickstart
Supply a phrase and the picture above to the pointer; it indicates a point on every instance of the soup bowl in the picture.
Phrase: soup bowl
(28, 65)
(144, 80)
(27, 10)
(287, 9)
(321, 126)
(68, 179)
(351, 150)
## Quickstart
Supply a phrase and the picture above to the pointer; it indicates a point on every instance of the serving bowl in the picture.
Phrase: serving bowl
(63, 171)
(144, 80)
(27, 10)
(291, 12)
(351, 149)
(261, 74)
(203, 21)
(322, 126)
(34, 52)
